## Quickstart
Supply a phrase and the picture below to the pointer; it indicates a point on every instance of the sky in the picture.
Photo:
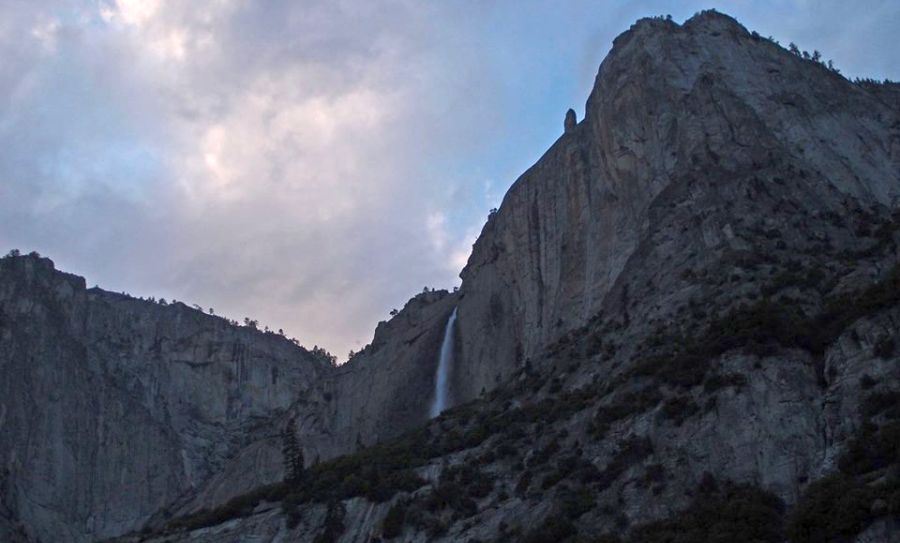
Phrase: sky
(311, 163)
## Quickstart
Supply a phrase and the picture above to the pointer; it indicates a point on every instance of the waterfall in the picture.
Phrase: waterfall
(442, 379)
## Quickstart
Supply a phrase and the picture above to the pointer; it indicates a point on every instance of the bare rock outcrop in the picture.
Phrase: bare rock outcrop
(387, 387)
(119, 413)
(112, 407)
(672, 105)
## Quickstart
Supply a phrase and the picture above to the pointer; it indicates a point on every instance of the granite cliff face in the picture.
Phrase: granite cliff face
(387, 387)
(118, 412)
(113, 407)
(683, 319)
(679, 117)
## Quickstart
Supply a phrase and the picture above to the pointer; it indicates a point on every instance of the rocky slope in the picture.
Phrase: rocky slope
(113, 407)
(384, 390)
(118, 412)
(682, 320)
(680, 120)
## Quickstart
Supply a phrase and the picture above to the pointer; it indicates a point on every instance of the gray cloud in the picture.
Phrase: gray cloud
(311, 164)
(259, 157)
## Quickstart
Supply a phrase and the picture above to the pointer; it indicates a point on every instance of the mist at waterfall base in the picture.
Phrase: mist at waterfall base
(445, 362)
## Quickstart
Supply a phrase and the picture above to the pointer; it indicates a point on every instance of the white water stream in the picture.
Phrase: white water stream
(442, 379)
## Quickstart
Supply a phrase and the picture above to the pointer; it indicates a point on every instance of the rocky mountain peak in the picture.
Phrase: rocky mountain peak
(711, 20)
(570, 122)
(671, 105)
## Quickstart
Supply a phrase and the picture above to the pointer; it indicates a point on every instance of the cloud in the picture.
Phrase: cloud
(310, 164)
(259, 158)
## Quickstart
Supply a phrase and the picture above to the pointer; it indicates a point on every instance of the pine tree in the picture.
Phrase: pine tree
(292, 454)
